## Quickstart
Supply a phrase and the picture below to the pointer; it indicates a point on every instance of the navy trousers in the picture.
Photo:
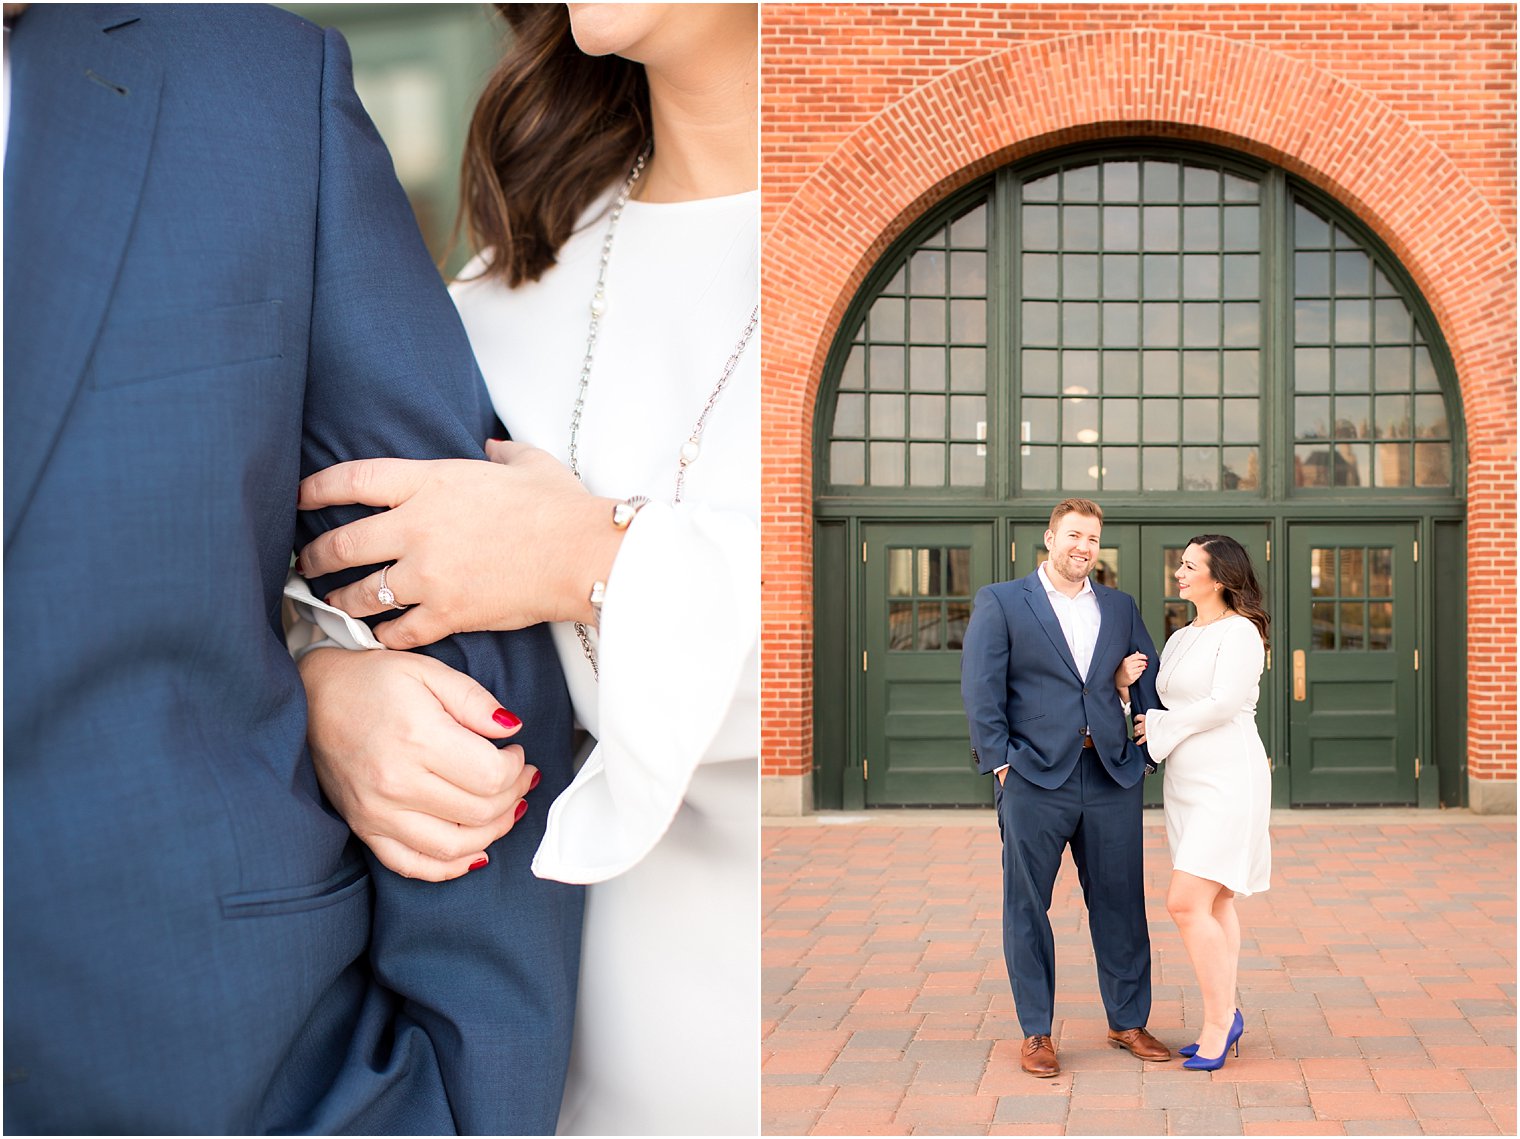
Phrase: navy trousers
(1101, 822)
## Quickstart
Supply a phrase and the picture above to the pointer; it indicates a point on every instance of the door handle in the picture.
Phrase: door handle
(1299, 687)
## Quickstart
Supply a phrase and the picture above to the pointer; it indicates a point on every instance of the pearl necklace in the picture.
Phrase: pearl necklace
(691, 450)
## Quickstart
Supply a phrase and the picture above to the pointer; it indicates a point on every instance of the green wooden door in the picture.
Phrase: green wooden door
(1351, 653)
(920, 581)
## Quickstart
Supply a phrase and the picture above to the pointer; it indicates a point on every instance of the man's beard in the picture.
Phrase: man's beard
(1064, 566)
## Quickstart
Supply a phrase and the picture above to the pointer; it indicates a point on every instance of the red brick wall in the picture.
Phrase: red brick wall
(1404, 114)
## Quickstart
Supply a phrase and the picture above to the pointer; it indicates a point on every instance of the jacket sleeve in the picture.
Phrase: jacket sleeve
(1237, 676)
(486, 964)
(1143, 692)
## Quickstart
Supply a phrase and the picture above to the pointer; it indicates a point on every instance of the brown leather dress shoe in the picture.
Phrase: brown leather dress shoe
(1038, 1057)
(1140, 1043)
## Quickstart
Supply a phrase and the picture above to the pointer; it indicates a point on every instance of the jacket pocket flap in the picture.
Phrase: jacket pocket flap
(350, 879)
(181, 342)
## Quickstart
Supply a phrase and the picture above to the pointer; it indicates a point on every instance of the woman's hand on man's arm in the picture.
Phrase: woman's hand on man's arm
(402, 748)
(473, 545)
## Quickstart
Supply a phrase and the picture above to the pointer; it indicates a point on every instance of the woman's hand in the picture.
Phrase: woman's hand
(401, 744)
(1140, 728)
(1129, 671)
(475, 545)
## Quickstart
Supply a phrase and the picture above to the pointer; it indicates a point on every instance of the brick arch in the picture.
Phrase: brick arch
(1141, 83)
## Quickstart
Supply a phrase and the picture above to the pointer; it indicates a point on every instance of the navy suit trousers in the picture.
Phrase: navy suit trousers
(1100, 820)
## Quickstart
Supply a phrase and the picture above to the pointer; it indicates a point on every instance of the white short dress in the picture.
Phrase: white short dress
(1217, 784)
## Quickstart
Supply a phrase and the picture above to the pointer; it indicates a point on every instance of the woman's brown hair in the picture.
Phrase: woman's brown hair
(1230, 566)
(552, 130)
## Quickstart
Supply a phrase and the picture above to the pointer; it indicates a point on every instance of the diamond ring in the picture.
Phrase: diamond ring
(384, 592)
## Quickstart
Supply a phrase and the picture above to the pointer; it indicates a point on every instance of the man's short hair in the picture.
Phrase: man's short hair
(1083, 506)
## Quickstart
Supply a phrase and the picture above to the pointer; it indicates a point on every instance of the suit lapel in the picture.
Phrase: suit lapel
(83, 112)
(1108, 624)
(1046, 614)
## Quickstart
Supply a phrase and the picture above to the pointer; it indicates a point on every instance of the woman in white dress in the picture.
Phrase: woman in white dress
(1217, 786)
(612, 312)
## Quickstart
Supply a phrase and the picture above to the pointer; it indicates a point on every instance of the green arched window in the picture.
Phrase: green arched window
(1137, 321)
(912, 403)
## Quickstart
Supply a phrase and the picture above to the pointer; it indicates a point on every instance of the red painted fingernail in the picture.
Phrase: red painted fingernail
(496, 440)
(300, 569)
(479, 862)
(522, 809)
(538, 777)
(506, 719)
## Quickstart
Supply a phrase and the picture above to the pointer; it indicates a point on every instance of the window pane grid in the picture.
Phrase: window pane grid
(1139, 279)
(1358, 348)
(1352, 598)
(929, 597)
(910, 410)
(1137, 344)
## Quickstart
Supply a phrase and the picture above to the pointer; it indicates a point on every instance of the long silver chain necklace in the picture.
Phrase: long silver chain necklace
(691, 450)
(1191, 641)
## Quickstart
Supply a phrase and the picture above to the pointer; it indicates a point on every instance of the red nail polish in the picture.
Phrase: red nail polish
(300, 569)
(479, 862)
(538, 777)
(522, 809)
(506, 719)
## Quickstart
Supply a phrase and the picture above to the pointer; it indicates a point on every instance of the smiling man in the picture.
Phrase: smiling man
(1037, 678)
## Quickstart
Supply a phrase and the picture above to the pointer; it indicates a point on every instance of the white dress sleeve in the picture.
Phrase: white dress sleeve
(1237, 674)
(678, 655)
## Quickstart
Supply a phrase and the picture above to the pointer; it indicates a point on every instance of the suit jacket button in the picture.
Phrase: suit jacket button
(1084, 692)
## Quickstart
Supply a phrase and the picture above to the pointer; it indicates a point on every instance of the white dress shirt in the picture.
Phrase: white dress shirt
(1079, 618)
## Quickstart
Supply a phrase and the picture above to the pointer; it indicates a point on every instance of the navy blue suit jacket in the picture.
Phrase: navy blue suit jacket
(214, 286)
(1025, 699)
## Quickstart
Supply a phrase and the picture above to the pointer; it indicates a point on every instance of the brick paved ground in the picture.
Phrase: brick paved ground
(1377, 981)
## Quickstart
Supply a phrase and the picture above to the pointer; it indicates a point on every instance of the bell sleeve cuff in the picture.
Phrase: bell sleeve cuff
(678, 655)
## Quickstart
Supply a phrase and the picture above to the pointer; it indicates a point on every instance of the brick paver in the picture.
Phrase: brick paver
(1377, 983)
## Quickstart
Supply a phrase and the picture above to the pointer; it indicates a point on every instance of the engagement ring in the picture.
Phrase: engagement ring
(384, 593)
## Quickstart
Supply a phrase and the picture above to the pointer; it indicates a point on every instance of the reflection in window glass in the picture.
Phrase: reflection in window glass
(957, 616)
(1322, 625)
(1380, 626)
(899, 573)
(1380, 572)
(1353, 618)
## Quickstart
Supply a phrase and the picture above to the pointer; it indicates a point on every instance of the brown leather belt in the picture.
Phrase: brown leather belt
(1087, 740)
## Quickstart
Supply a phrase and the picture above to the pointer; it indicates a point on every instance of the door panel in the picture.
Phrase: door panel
(1352, 629)
(920, 581)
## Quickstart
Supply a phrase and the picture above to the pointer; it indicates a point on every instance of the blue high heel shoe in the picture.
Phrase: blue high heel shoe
(1235, 1034)
(1197, 1063)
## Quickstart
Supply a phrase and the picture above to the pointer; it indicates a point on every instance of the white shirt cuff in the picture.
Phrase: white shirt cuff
(313, 624)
